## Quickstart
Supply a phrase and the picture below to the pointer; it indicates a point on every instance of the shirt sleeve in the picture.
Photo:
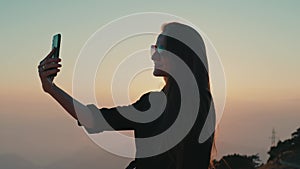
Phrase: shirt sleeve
(110, 119)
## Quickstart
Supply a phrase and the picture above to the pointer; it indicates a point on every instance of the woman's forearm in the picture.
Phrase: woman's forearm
(76, 109)
(50, 67)
(64, 99)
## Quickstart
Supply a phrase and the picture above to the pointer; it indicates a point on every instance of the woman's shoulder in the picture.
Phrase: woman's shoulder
(146, 99)
(152, 95)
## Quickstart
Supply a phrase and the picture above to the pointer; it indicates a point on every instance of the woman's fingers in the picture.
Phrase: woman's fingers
(49, 63)
(50, 66)
(51, 53)
(47, 73)
(48, 56)
(52, 60)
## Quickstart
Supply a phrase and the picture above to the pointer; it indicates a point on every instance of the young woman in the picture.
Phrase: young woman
(177, 44)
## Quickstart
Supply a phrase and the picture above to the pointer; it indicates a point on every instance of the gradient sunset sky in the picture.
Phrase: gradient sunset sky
(257, 41)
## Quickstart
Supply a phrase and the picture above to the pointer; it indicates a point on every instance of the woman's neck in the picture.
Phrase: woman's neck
(166, 78)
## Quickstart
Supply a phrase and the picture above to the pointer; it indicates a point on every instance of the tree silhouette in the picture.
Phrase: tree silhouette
(237, 161)
(296, 139)
(285, 147)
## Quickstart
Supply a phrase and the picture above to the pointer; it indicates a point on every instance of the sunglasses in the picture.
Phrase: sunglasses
(158, 49)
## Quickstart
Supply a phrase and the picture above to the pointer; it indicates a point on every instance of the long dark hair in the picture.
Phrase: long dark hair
(187, 44)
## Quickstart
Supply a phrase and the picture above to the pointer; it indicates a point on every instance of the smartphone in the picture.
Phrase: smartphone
(55, 44)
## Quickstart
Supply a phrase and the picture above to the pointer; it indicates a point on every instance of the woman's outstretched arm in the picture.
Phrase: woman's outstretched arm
(88, 116)
(50, 66)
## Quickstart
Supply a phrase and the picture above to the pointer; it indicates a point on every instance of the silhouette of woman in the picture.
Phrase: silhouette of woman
(176, 40)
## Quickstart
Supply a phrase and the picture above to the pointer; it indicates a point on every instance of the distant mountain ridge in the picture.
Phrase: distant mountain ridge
(13, 161)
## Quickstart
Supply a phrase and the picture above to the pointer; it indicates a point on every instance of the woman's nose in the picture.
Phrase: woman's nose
(155, 56)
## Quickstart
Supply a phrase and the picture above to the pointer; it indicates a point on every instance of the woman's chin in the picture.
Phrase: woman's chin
(158, 72)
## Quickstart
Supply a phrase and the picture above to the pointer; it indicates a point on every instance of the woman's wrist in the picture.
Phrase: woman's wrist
(51, 89)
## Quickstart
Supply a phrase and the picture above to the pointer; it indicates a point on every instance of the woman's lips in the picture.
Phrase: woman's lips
(158, 66)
